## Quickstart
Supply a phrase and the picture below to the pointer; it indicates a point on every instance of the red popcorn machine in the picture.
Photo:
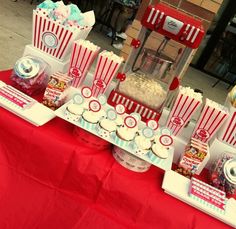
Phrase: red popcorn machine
(150, 73)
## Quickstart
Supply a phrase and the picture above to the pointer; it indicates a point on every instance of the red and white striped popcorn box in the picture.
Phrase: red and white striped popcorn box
(54, 38)
(81, 60)
(107, 66)
(212, 117)
(227, 132)
(182, 110)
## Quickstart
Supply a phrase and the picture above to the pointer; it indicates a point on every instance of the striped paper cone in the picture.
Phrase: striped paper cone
(211, 119)
(105, 71)
(53, 38)
(183, 109)
(227, 132)
(80, 61)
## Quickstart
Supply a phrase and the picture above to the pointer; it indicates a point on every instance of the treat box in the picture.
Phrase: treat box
(55, 39)
(164, 164)
(24, 106)
(177, 186)
(227, 132)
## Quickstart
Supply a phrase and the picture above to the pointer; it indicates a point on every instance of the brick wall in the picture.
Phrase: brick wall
(204, 10)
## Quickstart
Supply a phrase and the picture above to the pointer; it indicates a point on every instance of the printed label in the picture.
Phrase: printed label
(50, 40)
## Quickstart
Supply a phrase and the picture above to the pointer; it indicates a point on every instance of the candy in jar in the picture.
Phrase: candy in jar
(223, 174)
(30, 75)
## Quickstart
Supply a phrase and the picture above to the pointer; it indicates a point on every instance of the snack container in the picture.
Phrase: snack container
(82, 57)
(107, 66)
(223, 173)
(227, 132)
(193, 157)
(212, 117)
(54, 38)
(30, 75)
(56, 91)
(183, 109)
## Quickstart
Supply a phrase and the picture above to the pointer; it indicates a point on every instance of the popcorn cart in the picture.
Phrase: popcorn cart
(149, 73)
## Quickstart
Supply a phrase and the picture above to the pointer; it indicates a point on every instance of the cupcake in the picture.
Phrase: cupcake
(73, 112)
(160, 151)
(124, 135)
(90, 119)
(141, 145)
(119, 121)
(106, 127)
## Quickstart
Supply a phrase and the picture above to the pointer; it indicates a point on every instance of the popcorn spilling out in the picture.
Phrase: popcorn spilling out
(191, 93)
(68, 15)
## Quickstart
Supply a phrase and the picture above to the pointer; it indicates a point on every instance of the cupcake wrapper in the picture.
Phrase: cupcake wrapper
(120, 142)
(87, 125)
(72, 117)
(153, 157)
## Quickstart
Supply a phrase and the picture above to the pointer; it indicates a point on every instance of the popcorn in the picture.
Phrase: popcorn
(190, 92)
(144, 90)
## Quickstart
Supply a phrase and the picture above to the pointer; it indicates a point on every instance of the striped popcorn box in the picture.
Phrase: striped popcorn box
(107, 66)
(82, 57)
(227, 132)
(54, 38)
(184, 107)
(213, 115)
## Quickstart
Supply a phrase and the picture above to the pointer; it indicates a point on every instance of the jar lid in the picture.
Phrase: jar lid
(230, 170)
(27, 67)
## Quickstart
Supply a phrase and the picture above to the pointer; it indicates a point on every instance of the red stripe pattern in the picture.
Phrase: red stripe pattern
(209, 122)
(105, 71)
(80, 62)
(52, 37)
(181, 113)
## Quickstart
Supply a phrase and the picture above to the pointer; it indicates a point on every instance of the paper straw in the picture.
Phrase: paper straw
(209, 122)
(184, 107)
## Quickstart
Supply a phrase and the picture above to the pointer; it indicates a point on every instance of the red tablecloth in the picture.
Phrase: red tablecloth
(48, 181)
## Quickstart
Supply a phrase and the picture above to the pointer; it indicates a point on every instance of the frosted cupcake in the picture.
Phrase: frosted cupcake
(141, 145)
(73, 112)
(106, 127)
(125, 135)
(90, 119)
(160, 151)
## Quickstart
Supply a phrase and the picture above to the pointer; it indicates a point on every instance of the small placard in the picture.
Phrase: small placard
(86, 92)
(130, 121)
(94, 106)
(120, 109)
(111, 114)
(152, 123)
(102, 99)
(78, 99)
(166, 140)
(166, 131)
(147, 132)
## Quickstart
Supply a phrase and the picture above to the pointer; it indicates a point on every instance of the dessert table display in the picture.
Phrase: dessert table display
(103, 148)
